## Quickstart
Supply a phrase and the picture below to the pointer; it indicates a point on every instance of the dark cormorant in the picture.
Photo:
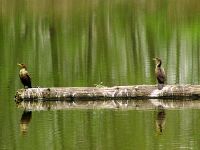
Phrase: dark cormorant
(160, 73)
(24, 76)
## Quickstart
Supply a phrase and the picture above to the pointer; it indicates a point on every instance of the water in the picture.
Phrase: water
(106, 129)
(92, 42)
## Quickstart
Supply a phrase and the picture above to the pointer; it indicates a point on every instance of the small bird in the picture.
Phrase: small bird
(24, 76)
(160, 73)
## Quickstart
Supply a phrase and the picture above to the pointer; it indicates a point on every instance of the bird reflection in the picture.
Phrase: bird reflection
(160, 119)
(24, 122)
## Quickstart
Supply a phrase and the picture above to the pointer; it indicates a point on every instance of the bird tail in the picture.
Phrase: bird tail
(160, 86)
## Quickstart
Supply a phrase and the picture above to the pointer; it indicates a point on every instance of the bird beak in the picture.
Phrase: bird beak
(154, 59)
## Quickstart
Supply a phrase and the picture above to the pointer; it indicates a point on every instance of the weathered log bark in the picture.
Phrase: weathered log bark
(117, 92)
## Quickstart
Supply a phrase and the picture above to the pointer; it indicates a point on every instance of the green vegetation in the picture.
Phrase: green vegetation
(85, 42)
(111, 41)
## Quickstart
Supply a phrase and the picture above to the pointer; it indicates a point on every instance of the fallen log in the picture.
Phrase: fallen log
(116, 92)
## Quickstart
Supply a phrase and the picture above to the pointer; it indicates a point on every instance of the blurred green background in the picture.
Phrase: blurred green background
(86, 42)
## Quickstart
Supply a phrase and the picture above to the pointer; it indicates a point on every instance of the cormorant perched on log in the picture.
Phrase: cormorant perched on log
(24, 76)
(160, 73)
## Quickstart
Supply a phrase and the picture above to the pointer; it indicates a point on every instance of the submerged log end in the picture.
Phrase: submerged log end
(18, 96)
(33, 93)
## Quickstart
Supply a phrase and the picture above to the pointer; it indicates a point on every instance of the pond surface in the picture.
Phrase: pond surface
(103, 129)
(90, 43)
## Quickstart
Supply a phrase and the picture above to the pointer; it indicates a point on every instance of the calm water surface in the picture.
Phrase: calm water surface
(83, 43)
(104, 129)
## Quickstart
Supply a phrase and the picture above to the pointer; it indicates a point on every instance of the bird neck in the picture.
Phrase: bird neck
(159, 64)
(23, 71)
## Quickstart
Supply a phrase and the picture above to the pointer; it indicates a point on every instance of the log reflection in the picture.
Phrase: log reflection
(24, 122)
(160, 118)
(142, 104)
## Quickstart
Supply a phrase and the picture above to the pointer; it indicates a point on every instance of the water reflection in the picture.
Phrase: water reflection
(24, 122)
(160, 118)
(111, 104)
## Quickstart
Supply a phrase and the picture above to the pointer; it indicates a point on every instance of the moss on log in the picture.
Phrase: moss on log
(116, 92)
